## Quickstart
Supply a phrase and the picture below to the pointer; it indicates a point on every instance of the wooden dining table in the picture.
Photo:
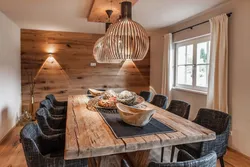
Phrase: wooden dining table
(88, 136)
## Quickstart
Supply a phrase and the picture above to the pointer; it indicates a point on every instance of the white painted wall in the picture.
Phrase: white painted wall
(156, 52)
(10, 74)
(239, 59)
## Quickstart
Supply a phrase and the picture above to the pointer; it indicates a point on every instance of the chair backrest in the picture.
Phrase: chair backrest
(184, 160)
(43, 120)
(30, 136)
(51, 98)
(160, 101)
(36, 146)
(180, 108)
(30, 131)
(46, 104)
(43, 112)
(54, 102)
(100, 89)
(146, 95)
(214, 120)
(54, 111)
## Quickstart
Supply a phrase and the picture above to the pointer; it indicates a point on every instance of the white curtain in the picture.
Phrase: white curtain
(217, 97)
(167, 68)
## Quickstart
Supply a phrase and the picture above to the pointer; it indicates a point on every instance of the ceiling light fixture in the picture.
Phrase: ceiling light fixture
(100, 50)
(126, 39)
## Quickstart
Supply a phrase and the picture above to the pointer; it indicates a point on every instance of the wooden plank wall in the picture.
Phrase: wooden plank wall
(69, 71)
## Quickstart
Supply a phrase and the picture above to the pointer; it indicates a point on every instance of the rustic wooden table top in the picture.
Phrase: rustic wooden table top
(87, 135)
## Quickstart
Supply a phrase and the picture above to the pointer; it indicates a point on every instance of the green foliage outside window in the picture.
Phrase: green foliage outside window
(203, 55)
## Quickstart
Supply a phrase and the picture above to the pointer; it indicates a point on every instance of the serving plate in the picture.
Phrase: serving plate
(95, 92)
(106, 108)
(94, 102)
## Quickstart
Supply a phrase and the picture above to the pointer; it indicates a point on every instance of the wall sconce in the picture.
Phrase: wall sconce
(51, 58)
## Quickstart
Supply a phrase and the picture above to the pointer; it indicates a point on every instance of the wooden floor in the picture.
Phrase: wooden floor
(11, 153)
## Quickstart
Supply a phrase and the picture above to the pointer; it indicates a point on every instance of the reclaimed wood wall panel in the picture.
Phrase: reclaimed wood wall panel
(69, 71)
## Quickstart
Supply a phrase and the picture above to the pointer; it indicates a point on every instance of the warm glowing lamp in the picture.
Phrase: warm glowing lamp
(126, 39)
(101, 51)
(51, 58)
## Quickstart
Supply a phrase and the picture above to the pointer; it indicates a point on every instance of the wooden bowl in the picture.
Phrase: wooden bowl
(134, 116)
(95, 92)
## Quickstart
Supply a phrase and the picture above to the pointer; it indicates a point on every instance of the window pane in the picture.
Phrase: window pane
(189, 75)
(202, 75)
(190, 54)
(202, 53)
(181, 75)
(208, 56)
(181, 55)
(185, 75)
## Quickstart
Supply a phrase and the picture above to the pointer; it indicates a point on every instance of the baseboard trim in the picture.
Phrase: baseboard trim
(8, 133)
(233, 150)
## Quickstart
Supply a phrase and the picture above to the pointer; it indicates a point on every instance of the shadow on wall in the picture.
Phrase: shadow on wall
(5, 122)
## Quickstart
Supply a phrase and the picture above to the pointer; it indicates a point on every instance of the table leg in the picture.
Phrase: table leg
(172, 154)
(139, 158)
(162, 154)
(107, 161)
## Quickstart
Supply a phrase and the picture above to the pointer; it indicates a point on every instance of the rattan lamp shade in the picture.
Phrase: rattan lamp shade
(126, 39)
(101, 52)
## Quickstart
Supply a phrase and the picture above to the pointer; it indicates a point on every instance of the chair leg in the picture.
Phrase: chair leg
(172, 154)
(162, 154)
(222, 162)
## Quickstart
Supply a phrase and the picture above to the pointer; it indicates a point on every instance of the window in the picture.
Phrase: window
(192, 63)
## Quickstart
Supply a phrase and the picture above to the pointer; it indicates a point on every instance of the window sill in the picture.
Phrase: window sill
(190, 90)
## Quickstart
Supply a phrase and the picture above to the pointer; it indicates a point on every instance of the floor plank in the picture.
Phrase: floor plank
(236, 159)
(11, 153)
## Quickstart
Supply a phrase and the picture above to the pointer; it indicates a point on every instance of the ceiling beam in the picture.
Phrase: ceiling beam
(99, 7)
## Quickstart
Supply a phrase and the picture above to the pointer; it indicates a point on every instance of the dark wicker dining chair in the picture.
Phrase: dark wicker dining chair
(54, 111)
(45, 151)
(48, 124)
(179, 108)
(184, 160)
(160, 101)
(146, 95)
(56, 103)
(220, 123)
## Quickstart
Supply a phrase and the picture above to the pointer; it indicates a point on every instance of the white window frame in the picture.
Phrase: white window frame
(193, 41)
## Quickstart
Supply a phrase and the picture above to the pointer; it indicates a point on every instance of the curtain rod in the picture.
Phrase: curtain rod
(191, 27)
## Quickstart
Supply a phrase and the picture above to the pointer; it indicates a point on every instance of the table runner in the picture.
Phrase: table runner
(123, 130)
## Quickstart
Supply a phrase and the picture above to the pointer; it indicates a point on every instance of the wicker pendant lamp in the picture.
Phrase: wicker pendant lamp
(126, 39)
(101, 51)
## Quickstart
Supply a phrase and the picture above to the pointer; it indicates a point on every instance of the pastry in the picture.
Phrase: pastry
(107, 103)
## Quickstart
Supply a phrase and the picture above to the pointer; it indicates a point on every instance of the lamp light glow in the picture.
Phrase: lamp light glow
(126, 39)
(51, 58)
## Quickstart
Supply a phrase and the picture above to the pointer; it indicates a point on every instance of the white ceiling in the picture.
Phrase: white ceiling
(71, 15)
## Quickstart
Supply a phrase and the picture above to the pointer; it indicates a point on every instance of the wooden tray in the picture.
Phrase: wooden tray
(94, 103)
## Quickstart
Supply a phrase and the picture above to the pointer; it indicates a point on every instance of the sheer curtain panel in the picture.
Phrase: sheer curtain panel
(167, 68)
(217, 95)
